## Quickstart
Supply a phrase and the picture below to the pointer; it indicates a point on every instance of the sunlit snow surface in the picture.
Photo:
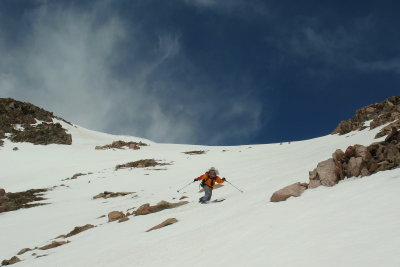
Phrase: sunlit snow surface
(355, 223)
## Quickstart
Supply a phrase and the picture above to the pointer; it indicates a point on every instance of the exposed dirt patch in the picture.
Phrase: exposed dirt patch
(143, 163)
(76, 175)
(121, 145)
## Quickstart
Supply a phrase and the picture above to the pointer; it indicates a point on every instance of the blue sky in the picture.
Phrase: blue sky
(201, 71)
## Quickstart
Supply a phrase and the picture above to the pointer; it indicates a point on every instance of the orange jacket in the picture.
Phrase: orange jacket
(209, 181)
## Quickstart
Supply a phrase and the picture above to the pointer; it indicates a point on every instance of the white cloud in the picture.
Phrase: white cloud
(75, 64)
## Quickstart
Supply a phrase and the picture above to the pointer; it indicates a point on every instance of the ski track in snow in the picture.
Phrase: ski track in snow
(355, 223)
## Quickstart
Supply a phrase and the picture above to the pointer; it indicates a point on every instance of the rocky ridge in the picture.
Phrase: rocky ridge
(24, 122)
(379, 114)
(355, 161)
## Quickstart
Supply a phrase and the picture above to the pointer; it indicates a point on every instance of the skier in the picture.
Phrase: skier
(208, 182)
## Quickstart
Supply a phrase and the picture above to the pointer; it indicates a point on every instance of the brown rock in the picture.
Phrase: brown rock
(363, 152)
(328, 172)
(15, 148)
(183, 197)
(2, 209)
(79, 229)
(293, 190)
(11, 261)
(24, 250)
(163, 224)
(162, 205)
(2, 192)
(54, 244)
(372, 166)
(338, 155)
(365, 172)
(350, 152)
(143, 210)
(354, 167)
(313, 175)
(314, 184)
(115, 215)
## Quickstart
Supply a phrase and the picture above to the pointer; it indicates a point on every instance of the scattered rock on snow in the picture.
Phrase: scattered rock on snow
(24, 250)
(162, 205)
(54, 244)
(195, 152)
(18, 200)
(121, 144)
(163, 224)
(2, 192)
(11, 261)
(293, 190)
(183, 197)
(115, 215)
(144, 163)
(107, 194)
(78, 229)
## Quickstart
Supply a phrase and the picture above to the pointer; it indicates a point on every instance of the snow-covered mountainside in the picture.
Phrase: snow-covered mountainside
(354, 223)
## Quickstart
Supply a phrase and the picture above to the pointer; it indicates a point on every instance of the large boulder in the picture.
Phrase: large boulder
(2, 192)
(328, 172)
(354, 166)
(293, 190)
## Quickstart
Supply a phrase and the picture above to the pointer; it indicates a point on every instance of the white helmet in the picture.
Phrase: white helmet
(214, 169)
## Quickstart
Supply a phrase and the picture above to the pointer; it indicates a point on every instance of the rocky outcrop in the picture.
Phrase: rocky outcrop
(162, 205)
(143, 163)
(121, 145)
(163, 224)
(24, 115)
(14, 201)
(11, 261)
(356, 161)
(107, 194)
(293, 190)
(54, 244)
(42, 134)
(378, 113)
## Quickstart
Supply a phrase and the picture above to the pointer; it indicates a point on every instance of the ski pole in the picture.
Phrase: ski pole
(233, 186)
(185, 186)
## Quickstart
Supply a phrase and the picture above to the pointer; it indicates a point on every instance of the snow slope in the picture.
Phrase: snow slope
(355, 223)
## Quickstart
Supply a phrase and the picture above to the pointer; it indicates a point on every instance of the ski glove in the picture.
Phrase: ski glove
(195, 179)
(224, 179)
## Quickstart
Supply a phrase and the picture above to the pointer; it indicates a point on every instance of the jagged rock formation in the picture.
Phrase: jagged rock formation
(15, 113)
(380, 114)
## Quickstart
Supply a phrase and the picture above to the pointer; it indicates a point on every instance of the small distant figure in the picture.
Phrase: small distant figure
(207, 182)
